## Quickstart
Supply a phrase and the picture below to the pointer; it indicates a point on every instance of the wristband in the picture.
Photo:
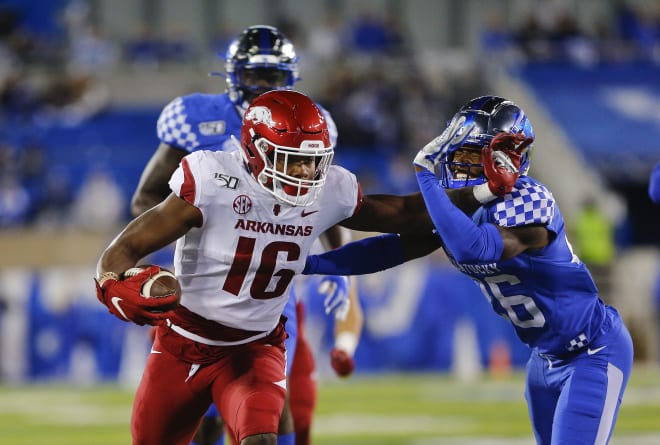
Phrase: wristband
(482, 193)
(107, 276)
(347, 342)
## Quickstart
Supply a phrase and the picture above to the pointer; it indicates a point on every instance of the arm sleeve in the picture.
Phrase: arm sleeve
(466, 241)
(361, 257)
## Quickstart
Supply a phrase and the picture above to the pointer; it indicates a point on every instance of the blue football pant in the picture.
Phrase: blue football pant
(576, 401)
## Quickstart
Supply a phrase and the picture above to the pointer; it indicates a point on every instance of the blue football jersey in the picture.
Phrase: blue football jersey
(548, 294)
(207, 122)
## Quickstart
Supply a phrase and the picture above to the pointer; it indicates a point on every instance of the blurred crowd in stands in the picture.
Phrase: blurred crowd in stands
(553, 34)
(376, 89)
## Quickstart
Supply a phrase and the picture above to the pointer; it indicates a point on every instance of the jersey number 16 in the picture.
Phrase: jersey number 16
(266, 270)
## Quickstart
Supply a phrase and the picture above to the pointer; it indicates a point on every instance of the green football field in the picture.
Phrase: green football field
(375, 409)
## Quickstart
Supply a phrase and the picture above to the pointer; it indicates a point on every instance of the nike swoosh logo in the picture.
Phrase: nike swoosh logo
(115, 302)
(153, 351)
(593, 351)
(193, 370)
(304, 214)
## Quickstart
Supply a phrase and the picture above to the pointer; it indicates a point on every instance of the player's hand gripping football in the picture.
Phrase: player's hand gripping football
(501, 161)
(452, 138)
(335, 289)
(124, 299)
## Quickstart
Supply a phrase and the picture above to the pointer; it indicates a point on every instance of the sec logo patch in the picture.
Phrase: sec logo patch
(242, 204)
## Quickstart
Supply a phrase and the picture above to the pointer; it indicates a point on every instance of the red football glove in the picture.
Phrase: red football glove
(124, 299)
(501, 161)
(341, 362)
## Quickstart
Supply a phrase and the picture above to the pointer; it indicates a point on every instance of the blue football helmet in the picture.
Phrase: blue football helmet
(260, 59)
(490, 115)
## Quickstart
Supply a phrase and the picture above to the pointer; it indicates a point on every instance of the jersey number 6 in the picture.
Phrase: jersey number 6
(266, 270)
(491, 289)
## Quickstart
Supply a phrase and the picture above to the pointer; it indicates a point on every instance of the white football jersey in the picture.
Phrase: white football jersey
(237, 268)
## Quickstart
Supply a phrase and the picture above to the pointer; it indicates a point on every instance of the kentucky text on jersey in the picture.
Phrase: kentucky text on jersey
(481, 269)
(274, 229)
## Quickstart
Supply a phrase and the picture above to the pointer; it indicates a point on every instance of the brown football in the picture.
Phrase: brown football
(161, 284)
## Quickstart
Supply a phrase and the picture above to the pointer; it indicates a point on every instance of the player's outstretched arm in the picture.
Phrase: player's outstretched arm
(472, 243)
(373, 254)
(390, 214)
(408, 214)
(404, 214)
(153, 185)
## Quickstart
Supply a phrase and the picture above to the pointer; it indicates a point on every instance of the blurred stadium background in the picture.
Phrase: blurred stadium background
(82, 84)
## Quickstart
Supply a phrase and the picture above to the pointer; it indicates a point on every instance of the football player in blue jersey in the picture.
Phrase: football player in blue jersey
(260, 59)
(515, 248)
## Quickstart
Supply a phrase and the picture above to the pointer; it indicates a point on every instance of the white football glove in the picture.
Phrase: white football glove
(335, 289)
(452, 138)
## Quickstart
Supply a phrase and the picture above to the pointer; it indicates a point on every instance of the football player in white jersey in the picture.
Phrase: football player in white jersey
(259, 59)
(243, 223)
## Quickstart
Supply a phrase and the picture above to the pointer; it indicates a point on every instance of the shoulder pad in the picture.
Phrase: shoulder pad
(174, 128)
(528, 203)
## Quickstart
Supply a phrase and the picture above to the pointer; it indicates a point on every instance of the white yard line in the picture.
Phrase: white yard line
(341, 425)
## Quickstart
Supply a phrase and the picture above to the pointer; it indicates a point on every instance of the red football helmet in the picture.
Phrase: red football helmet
(280, 129)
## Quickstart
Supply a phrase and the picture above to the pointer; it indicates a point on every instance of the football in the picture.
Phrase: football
(161, 284)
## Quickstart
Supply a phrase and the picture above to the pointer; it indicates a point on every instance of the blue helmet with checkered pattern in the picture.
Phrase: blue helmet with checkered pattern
(488, 115)
(260, 59)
